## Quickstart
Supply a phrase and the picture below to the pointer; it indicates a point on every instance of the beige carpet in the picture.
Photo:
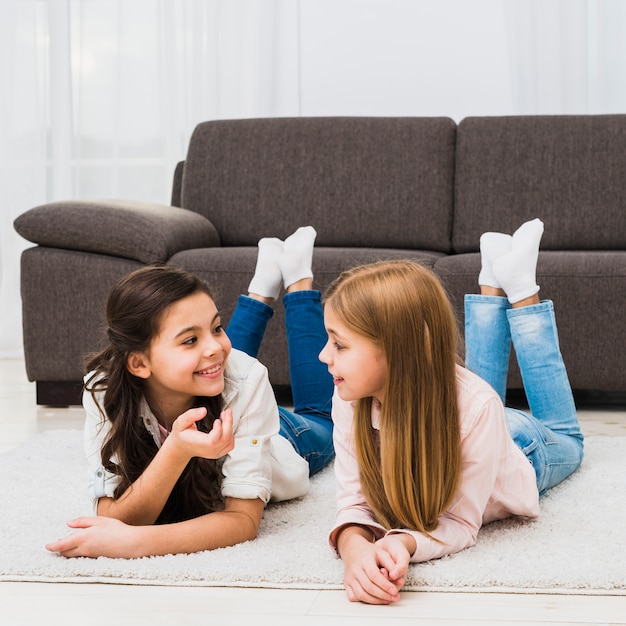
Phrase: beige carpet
(577, 546)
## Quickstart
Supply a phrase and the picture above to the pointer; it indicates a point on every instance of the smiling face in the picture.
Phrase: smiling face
(186, 359)
(357, 364)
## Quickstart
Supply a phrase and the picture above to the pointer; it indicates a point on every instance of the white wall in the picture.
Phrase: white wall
(367, 57)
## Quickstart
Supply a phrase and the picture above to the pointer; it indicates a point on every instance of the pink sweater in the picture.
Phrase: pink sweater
(497, 481)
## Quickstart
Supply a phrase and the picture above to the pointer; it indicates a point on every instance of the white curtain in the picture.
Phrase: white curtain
(567, 56)
(99, 97)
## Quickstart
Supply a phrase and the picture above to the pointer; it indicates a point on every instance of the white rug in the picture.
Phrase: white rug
(577, 546)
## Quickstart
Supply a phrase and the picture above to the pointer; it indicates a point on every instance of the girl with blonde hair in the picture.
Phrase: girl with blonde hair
(426, 452)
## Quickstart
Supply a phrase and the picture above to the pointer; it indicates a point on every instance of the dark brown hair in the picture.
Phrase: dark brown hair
(134, 310)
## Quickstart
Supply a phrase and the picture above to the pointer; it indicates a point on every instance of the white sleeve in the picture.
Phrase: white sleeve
(247, 468)
(290, 472)
(100, 483)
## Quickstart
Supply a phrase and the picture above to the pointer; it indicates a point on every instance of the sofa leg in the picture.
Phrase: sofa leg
(59, 393)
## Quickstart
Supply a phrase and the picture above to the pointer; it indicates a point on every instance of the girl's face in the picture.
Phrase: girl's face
(187, 358)
(357, 365)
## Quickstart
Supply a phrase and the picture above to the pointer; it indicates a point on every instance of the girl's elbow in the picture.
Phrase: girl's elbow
(245, 530)
(251, 527)
(247, 517)
(252, 533)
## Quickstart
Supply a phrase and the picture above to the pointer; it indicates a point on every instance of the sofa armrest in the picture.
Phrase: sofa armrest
(146, 232)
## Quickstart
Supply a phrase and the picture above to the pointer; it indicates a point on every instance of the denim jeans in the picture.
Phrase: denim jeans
(549, 435)
(309, 426)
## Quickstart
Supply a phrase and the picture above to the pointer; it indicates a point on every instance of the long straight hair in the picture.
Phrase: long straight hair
(411, 470)
(134, 310)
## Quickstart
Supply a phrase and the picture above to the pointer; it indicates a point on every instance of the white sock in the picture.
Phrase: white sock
(297, 258)
(268, 278)
(516, 271)
(492, 247)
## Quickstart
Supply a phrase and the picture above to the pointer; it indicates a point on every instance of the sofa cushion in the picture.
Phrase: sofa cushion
(570, 171)
(142, 231)
(361, 182)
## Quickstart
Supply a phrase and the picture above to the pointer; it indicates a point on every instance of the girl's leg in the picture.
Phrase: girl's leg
(309, 425)
(312, 385)
(488, 339)
(487, 336)
(248, 323)
(550, 437)
(249, 320)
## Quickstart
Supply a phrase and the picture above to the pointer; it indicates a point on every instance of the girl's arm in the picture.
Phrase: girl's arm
(104, 536)
(144, 500)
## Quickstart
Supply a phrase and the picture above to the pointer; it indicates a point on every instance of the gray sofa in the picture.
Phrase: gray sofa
(423, 188)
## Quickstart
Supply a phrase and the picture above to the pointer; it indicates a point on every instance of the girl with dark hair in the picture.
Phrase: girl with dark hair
(184, 440)
(426, 452)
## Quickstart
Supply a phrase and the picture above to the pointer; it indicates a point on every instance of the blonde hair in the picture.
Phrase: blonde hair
(410, 476)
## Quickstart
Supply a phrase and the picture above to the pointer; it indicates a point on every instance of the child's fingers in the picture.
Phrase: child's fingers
(394, 564)
(226, 418)
(217, 442)
(222, 432)
(70, 542)
(217, 430)
(190, 417)
(81, 522)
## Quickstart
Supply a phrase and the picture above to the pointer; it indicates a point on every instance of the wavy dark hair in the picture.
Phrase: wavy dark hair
(134, 310)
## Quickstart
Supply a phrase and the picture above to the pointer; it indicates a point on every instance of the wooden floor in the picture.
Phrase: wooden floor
(118, 605)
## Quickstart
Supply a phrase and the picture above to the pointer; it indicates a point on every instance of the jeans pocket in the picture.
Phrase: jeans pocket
(522, 431)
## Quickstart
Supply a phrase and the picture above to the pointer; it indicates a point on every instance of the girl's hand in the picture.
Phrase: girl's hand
(212, 445)
(395, 555)
(99, 536)
(367, 568)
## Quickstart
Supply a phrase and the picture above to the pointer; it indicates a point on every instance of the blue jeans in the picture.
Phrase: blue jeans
(549, 435)
(309, 426)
